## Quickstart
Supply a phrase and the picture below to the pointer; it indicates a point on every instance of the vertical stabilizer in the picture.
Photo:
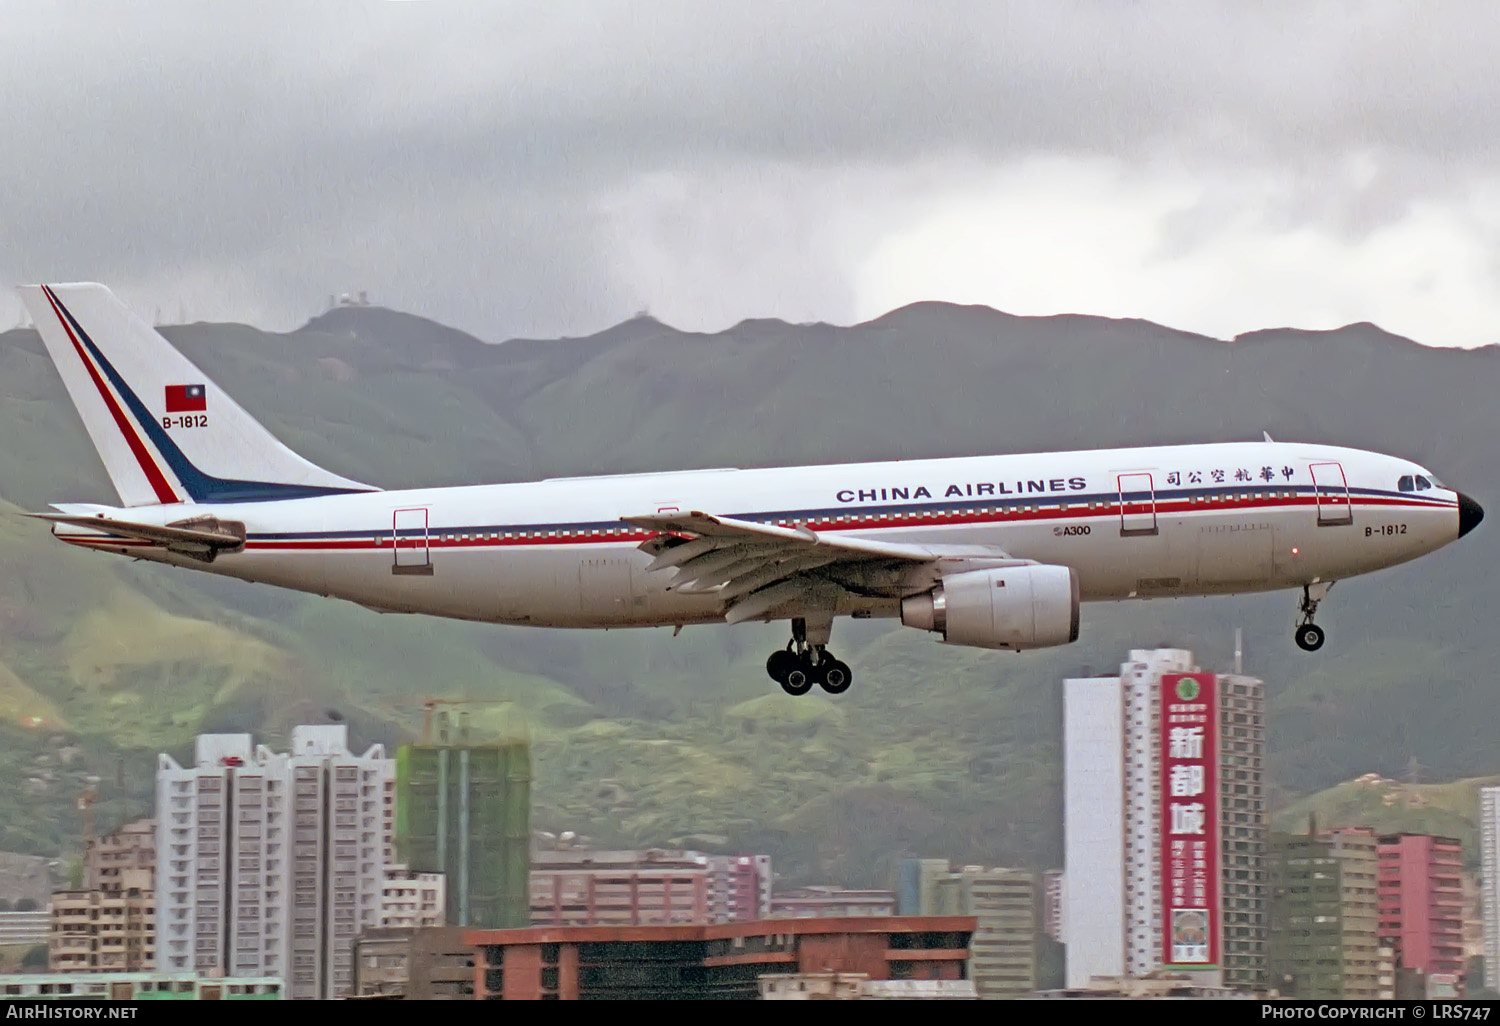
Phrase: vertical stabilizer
(165, 431)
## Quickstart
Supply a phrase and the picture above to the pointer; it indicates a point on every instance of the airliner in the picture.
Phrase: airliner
(991, 552)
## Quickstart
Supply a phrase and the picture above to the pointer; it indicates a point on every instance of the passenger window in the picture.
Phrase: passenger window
(1422, 483)
(1405, 484)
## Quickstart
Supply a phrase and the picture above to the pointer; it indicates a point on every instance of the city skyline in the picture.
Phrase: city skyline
(1152, 685)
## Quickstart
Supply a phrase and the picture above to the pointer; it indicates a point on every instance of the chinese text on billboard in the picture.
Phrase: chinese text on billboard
(1190, 819)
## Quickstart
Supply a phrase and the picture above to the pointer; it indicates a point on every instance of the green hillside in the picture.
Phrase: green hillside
(1394, 807)
(642, 737)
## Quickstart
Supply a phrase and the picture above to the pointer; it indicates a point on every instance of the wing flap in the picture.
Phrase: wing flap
(763, 601)
(756, 568)
(716, 530)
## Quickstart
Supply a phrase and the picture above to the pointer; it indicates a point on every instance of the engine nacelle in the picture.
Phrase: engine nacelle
(1014, 607)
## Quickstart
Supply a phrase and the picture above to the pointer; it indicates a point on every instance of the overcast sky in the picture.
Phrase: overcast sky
(552, 168)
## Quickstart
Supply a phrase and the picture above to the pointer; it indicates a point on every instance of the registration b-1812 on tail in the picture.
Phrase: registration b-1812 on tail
(988, 551)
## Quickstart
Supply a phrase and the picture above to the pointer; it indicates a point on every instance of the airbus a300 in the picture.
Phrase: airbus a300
(990, 551)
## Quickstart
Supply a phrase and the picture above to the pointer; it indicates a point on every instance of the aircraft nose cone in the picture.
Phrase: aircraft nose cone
(1470, 513)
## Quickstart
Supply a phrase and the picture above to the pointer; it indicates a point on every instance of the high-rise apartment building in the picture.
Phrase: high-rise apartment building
(270, 864)
(1006, 906)
(1126, 832)
(98, 931)
(1421, 902)
(1243, 831)
(1489, 872)
(1003, 950)
(1369, 965)
(132, 847)
(739, 888)
(109, 924)
(1324, 941)
(465, 812)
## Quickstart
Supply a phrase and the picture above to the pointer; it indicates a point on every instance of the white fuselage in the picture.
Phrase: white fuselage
(1164, 521)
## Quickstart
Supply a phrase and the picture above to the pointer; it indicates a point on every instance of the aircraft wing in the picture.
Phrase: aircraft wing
(756, 567)
(202, 540)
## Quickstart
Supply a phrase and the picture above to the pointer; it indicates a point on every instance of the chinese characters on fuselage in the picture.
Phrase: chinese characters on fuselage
(1053, 485)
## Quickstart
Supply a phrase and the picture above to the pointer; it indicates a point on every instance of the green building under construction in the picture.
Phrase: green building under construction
(464, 810)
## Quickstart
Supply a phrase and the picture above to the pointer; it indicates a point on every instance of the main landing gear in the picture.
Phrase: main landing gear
(1309, 635)
(801, 665)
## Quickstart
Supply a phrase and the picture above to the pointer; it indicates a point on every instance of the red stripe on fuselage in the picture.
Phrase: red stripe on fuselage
(437, 539)
(163, 490)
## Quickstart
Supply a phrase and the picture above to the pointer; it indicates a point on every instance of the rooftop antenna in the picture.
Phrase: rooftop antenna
(1414, 771)
(1239, 652)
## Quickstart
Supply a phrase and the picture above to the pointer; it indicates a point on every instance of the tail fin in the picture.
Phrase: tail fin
(165, 432)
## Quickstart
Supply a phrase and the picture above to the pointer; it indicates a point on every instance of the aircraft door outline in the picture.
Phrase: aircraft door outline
(411, 542)
(1137, 504)
(1331, 490)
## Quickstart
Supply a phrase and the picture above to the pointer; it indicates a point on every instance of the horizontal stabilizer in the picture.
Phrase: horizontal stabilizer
(203, 538)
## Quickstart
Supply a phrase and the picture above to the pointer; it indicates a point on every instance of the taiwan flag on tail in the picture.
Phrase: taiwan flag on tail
(187, 399)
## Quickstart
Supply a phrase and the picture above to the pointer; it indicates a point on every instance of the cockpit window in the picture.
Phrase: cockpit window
(1422, 483)
(1405, 484)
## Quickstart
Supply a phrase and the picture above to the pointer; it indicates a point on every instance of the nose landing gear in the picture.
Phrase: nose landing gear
(800, 666)
(1309, 635)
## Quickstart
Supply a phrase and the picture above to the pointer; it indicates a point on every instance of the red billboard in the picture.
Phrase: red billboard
(1190, 820)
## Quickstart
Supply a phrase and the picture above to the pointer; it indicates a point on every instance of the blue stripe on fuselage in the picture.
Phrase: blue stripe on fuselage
(862, 512)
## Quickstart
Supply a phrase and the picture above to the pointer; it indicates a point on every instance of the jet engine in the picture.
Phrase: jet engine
(1014, 607)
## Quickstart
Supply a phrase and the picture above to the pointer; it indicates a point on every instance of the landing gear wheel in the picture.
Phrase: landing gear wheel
(799, 681)
(782, 662)
(806, 663)
(836, 677)
(1310, 637)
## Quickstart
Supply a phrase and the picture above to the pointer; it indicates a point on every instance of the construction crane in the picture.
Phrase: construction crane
(430, 706)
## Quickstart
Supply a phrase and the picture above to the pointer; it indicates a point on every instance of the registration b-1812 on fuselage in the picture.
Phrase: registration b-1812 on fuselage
(986, 551)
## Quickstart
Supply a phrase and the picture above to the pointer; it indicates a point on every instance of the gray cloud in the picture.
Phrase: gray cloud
(540, 169)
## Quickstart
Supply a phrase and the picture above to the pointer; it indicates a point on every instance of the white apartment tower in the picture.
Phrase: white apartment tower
(1489, 856)
(270, 864)
(1112, 883)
